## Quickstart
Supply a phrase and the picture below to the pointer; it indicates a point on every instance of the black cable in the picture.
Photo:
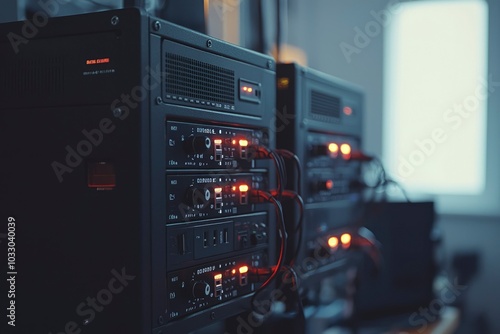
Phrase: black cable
(401, 189)
(290, 155)
(282, 171)
(294, 284)
(386, 181)
(262, 152)
(300, 226)
(383, 181)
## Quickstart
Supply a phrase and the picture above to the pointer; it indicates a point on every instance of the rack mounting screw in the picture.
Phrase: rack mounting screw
(117, 112)
(157, 25)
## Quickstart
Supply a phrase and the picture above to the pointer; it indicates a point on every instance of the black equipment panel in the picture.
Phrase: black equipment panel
(90, 107)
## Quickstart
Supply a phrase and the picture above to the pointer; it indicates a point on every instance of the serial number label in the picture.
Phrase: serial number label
(205, 270)
(11, 271)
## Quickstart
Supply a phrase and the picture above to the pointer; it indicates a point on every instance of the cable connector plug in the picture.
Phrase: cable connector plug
(360, 156)
(257, 275)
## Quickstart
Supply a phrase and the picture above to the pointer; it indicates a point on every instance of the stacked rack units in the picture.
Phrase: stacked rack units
(319, 119)
(125, 165)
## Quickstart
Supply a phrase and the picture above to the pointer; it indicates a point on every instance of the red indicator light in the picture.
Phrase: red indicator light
(233, 271)
(347, 111)
(329, 185)
(243, 269)
(245, 88)
(243, 188)
(101, 175)
(333, 242)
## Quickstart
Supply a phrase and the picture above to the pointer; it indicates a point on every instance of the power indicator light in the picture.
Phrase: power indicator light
(333, 242)
(345, 239)
(345, 149)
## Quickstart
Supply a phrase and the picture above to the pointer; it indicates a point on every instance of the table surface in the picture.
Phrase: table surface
(447, 323)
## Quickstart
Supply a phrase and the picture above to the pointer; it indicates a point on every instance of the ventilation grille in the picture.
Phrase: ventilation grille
(325, 105)
(40, 77)
(190, 78)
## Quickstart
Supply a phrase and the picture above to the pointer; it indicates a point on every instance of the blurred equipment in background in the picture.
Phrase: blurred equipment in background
(318, 118)
(404, 282)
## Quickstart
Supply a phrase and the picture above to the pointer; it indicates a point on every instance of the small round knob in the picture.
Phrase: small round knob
(197, 144)
(201, 289)
(195, 196)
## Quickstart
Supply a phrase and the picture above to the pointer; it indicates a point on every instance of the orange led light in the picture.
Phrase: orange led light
(233, 271)
(283, 83)
(250, 89)
(333, 242)
(245, 88)
(243, 188)
(234, 142)
(329, 184)
(243, 142)
(347, 111)
(345, 149)
(345, 239)
(217, 190)
(218, 276)
(218, 141)
(243, 270)
(233, 188)
(333, 148)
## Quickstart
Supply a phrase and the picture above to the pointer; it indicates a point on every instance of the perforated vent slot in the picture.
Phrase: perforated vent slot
(190, 78)
(32, 78)
(326, 105)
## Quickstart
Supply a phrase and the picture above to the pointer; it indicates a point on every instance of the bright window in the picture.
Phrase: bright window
(436, 90)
